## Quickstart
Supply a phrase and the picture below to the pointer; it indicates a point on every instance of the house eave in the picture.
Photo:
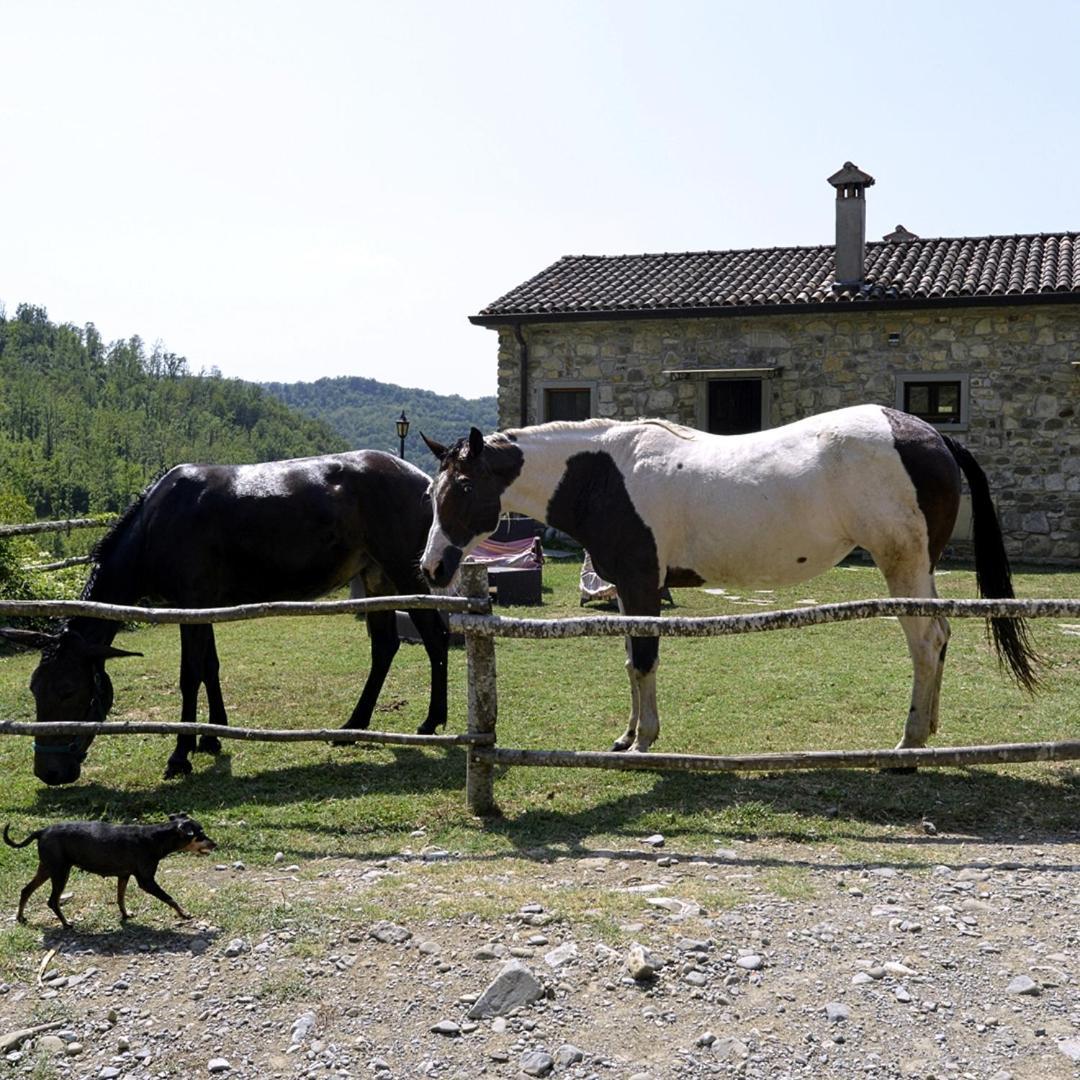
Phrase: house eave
(518, 318)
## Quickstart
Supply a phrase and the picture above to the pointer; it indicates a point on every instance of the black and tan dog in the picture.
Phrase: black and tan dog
(120, 851)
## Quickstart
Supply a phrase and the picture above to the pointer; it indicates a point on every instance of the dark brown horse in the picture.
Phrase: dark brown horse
(218, 535)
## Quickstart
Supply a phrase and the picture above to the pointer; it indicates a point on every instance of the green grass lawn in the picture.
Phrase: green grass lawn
(839, 686)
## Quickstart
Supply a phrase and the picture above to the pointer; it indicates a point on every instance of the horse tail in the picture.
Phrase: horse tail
(992, 574)
(11, 843)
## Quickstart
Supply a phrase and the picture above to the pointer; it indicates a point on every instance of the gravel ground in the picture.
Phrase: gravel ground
(961, 959)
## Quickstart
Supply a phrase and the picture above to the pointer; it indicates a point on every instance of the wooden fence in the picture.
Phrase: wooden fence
(67, 525)
(471, 614)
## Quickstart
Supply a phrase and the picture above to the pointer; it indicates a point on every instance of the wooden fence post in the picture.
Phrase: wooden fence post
(483, 698)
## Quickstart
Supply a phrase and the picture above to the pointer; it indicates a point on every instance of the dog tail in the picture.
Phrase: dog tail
(11, 843)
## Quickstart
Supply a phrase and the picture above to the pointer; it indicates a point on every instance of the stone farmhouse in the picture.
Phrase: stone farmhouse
(978, 335)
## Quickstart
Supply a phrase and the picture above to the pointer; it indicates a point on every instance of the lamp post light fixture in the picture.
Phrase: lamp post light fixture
(402, 425)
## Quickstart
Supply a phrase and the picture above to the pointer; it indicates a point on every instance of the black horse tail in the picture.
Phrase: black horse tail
(1010, 636)
(11, 843)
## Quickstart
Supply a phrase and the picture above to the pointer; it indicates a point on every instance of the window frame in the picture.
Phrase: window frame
(545, 386)
(961, 379)
(726, 375)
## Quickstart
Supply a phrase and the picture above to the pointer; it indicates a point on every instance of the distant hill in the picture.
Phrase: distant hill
(86, 424)
(363, 412)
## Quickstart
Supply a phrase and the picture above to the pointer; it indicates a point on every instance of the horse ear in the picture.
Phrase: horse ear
(31, 639)
(100, 652)
(109, 653)
(436, 448)
(476, 442)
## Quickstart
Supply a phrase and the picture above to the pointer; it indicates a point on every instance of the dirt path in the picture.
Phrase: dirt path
(957, 958)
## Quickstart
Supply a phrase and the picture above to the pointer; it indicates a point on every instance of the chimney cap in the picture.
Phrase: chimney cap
(899, 234)
(849, 175)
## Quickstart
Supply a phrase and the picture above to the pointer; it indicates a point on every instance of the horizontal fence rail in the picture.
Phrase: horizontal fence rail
(789, 619)
(241, 612)
(223, 731)
(994, 754)
(471, 613)
(61, 564)
(57, 526)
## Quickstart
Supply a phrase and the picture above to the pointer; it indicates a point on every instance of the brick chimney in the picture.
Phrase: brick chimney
(851, 184)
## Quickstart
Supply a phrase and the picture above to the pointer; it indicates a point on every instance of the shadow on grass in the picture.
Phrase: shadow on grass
(413, 771)
(828, 806)
(813, 807)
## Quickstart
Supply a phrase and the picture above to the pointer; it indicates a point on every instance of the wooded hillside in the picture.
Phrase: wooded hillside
(364, 411)
(85, 425)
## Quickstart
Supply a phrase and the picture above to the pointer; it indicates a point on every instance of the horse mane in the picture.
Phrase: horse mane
(106, 547)
(598, 423)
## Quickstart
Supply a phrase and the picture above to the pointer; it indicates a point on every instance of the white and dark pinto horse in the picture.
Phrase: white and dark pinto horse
(218, 535)
(659, 504)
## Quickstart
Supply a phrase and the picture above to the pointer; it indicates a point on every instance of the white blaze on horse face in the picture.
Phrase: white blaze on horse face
(435, 549)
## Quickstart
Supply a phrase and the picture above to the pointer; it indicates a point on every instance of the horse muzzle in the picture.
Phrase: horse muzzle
(56, 769)
(442, 573)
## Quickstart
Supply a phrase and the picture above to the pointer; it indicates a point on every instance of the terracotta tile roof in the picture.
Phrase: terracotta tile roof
(903, 272)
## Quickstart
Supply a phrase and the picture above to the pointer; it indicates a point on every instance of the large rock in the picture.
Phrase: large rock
(514, 986)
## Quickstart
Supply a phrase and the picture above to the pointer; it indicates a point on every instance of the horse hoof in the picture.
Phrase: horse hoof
(430, 727)
(619, 747)
(177, 767)
(209, 744)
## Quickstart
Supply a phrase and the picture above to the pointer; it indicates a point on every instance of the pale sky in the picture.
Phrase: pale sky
(291, 190)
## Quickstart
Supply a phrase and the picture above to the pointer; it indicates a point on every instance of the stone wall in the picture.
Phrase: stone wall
(1023, 401)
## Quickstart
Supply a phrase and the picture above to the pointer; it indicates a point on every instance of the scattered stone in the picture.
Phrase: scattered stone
(750, 962)
(654, 841)
(679, 909)
(513, 987)
(835, 1011)
(1070, 1048)
(1024, 985)
(568, 1055)
(685, 944)
(536, 1063)
(446, 1027)
(389, 933)
(303, 1027)
(562, 954)
(236, 947)
(219, 1064)
(643, 963)
(894, 967)
(730, 1047)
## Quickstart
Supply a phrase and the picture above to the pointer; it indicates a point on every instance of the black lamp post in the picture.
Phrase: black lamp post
(402, 425)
